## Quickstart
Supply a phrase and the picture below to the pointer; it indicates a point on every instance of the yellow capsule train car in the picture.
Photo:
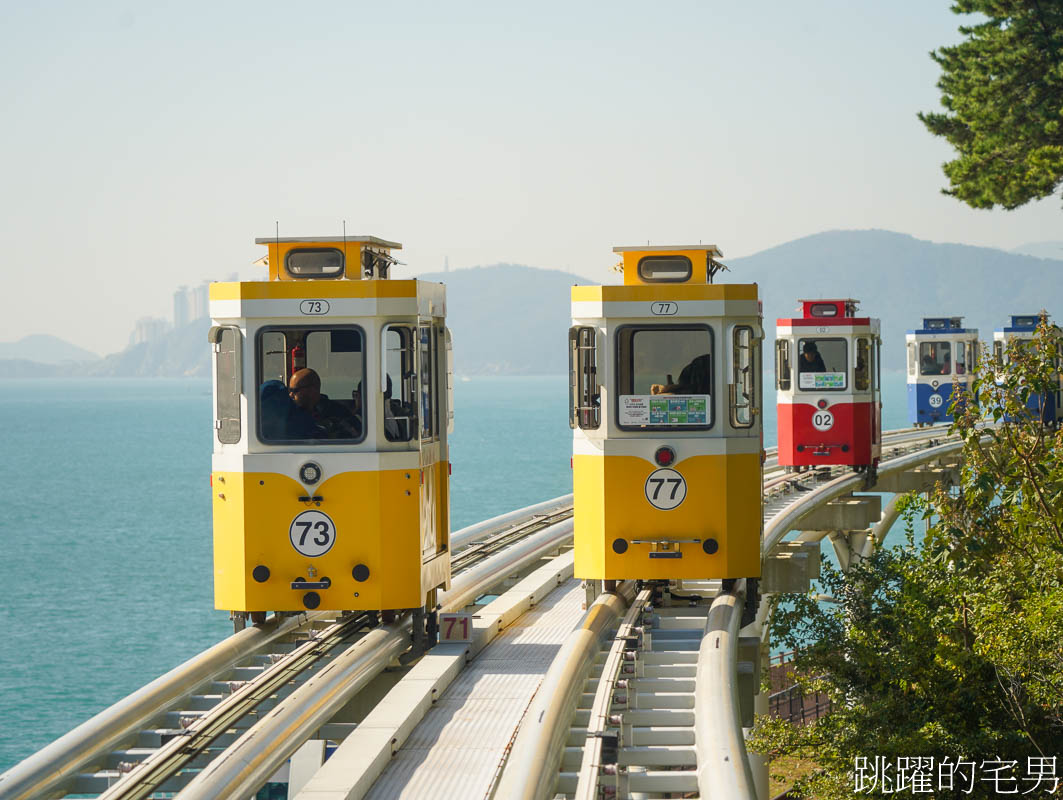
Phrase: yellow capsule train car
(665, 408)
(332, 397)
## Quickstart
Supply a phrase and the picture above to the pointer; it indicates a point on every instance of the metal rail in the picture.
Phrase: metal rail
(535, 758)
(46, 771)
(723, 764)
(53, 770)
(255, 756)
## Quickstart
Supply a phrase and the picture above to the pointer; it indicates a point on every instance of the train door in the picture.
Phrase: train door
(431, 362)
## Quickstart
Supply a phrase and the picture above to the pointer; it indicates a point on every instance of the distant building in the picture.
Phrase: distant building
(190, 304)
(182, 311)
(200, 301)
(148, 329)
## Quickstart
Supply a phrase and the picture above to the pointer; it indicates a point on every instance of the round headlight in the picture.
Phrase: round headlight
(310, 473)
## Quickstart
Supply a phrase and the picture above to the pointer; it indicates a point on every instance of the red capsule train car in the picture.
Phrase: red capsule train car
(827, 381)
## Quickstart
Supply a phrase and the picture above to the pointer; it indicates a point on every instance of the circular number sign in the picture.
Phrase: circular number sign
(312, 533)
(935, 400)
(665, 489)
(822, 420)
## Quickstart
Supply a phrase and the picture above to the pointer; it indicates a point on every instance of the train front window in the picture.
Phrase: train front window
(316, 262)
(311, 385)
(665, 269)
(665, 377)
(400, 384)
(822, 365)
(935, 358)
(961, 358)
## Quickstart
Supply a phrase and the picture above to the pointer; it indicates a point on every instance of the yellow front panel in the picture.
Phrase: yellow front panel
(377, 523)
(723, 502)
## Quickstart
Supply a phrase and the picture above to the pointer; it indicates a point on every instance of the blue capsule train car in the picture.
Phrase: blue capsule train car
(941, 356)
(1019, 334)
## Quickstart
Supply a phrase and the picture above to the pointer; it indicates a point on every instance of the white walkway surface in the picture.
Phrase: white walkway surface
(457, 749)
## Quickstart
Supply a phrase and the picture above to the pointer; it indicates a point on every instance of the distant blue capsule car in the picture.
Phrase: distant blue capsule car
(941, 356)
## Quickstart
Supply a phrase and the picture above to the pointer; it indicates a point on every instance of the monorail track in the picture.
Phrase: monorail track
(193, 730)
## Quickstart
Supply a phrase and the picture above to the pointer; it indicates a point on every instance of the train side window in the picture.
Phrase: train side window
(665, 377)
(743, 386)
(400, 384)
(310, 385)
(935, 358)
(913, 358)
(862, 368)
(228, 373)
(584, 396)
(822, 365)
(426, 350)
(998, 352)
(783, 369)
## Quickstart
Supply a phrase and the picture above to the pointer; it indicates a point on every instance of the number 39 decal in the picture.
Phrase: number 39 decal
(312, 533)
(665, 489)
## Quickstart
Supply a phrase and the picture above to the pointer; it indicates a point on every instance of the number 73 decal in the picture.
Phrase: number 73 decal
(665, 489)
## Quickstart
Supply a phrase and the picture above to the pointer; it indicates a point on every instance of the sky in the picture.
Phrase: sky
(144, 146)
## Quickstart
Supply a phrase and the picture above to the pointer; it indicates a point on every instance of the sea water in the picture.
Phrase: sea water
(105, 529)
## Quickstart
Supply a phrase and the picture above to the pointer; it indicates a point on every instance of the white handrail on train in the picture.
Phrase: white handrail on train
(243, 768)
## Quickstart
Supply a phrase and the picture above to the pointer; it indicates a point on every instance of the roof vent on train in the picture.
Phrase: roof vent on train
(846, 307)
(327, 257)
(688, 263)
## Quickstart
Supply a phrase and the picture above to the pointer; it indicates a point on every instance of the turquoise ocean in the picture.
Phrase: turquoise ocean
(105, 533)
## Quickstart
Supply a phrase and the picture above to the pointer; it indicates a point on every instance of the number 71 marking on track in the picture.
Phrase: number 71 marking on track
(455, 627)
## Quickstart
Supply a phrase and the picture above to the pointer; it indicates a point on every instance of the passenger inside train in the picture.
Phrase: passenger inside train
(811, 360)
(323, 364)
(934, 358)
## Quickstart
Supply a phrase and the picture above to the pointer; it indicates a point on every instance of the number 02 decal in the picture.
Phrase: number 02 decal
(312, 533)
(822, 420)
(665, 489)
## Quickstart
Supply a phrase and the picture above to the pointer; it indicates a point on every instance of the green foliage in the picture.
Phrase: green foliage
(952, 647)
(1002, 88)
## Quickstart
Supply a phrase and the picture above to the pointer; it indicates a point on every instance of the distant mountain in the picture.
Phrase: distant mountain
(901, 279)
(181, 352)
(512, 320)
(1053, 250)
(508, 319)
(44, 349)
